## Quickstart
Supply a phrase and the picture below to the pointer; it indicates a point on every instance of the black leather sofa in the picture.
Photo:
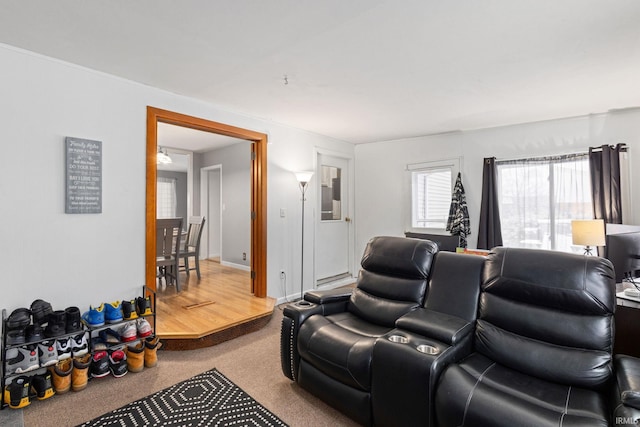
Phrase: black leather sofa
(518, 338)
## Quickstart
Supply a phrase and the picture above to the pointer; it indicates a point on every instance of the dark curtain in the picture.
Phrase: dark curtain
(604, 163)
(490, 232)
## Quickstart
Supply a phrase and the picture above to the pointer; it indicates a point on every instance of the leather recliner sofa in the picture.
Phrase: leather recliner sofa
(520, 337)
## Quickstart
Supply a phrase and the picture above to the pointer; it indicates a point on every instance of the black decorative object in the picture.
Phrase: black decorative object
(208, 399)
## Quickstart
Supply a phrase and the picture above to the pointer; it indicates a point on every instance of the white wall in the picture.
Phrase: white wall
(236, 200)
(212, 246)
(89, 259)
(382, 187)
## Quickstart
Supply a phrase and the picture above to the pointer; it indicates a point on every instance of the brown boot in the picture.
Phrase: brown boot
(80, 373)
(151, 346)
(135, 357)
(61, 373)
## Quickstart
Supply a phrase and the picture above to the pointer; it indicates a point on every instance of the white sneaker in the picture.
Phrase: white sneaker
(128, 332)
(64, 348)
(79, 345)
(21, 359)
(47, 353)
(144, 328)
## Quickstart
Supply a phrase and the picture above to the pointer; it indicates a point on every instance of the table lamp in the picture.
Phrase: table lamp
(588, 233)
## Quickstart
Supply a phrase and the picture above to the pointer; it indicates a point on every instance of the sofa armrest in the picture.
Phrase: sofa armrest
(443, 327)
(293, 316)
(328, 296)
(627, 370)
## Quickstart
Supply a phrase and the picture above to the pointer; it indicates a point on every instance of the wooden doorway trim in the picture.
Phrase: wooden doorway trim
(258, 190)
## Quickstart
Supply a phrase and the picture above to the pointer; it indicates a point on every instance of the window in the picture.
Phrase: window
(330, 182)
(539, 197)
(166, 198)
(431, 188)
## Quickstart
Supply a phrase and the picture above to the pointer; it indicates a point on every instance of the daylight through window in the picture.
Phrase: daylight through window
(166, 203)
(539, 197)
(431, 190)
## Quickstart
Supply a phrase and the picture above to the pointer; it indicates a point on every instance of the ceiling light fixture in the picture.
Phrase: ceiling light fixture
(163, 157)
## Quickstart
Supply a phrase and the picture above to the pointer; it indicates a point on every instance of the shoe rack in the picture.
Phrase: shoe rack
(94, 331)
(91, 333)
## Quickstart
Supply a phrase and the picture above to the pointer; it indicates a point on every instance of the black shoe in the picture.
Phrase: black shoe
(16, 336)
(143, 306)
(40, 311)
(129, 310)
(34, 333)
(20, 318)
(56, 324)
(72, 319)
(17, 393)
(42, 385)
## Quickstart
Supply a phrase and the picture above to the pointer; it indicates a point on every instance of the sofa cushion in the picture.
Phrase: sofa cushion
(480, 392)
(393, 279)
(454, 284)
(340, 346)
(555, 308)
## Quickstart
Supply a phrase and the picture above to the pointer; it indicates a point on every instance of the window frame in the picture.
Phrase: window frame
(453, 164)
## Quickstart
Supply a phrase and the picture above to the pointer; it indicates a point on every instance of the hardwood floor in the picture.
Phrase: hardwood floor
(218, 307)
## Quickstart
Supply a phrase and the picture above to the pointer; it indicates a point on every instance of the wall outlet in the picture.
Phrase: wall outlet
(244, 256)
(282, 275)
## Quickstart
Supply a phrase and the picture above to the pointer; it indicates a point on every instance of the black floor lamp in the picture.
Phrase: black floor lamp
(303, 179)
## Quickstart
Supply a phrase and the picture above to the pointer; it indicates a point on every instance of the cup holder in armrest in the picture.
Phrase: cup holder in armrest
(427, 349)
(303, 303)
(399, 339)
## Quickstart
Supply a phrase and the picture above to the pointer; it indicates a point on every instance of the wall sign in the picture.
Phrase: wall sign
(83, 176)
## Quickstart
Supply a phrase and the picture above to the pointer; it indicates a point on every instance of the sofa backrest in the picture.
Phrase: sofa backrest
(393, 278)
(548, 314)
(454, 284)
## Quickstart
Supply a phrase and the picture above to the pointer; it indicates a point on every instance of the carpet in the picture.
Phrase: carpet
(208, 399)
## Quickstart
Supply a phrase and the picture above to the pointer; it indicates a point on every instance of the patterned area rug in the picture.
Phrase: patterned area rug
(208, 399)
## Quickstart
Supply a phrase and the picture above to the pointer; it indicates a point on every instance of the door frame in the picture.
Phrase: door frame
(258, 190)
(350, 203)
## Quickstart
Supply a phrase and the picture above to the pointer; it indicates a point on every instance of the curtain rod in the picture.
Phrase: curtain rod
(623, 148)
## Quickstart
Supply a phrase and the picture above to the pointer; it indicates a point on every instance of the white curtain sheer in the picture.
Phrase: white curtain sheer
(539, 197)
(166, 200)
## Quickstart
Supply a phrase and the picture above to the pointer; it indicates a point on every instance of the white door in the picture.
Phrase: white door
(334, 224)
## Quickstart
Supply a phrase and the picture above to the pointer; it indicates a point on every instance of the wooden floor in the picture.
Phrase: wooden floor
(220, 302)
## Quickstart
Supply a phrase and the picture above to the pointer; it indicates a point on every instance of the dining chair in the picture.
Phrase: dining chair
(168, 232)
(192, 244)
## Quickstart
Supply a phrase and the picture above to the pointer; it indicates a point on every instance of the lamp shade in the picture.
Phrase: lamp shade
(163, 157)
(304, 176)
(588, 232)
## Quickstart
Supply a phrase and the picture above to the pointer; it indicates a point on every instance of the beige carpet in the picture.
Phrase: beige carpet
(252, 362)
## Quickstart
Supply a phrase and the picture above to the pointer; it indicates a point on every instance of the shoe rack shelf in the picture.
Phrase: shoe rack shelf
(90, 331)
(151, 318)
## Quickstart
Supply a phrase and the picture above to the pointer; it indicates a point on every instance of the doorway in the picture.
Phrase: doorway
(258, 190)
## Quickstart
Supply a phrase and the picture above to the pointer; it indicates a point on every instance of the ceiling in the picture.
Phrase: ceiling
(182, 138)
(357, 70)
(177, 140)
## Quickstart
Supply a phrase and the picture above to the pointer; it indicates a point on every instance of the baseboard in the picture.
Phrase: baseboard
(338, 283)
(234, 265)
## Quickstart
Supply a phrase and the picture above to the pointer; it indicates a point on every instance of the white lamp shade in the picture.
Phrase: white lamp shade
(163, 157)
(588, 232)
(304, 176)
